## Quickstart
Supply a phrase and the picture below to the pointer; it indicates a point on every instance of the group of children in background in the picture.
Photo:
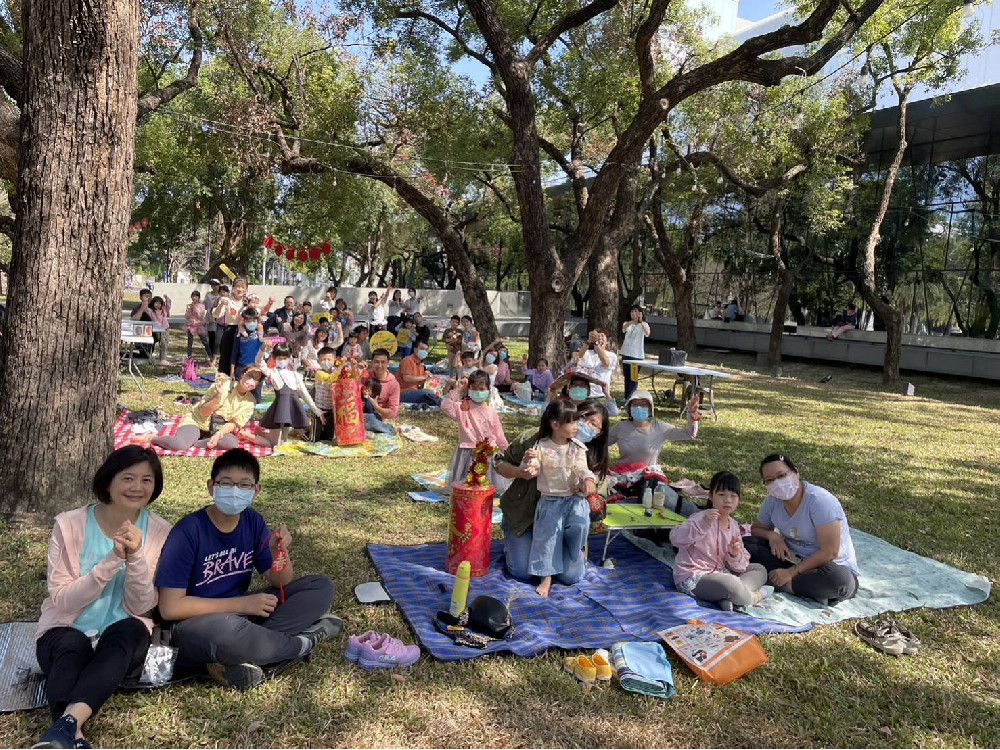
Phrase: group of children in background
(712, 563)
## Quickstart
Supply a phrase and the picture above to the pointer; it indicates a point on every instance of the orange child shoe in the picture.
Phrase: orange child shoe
(602, 667)
(581, 667)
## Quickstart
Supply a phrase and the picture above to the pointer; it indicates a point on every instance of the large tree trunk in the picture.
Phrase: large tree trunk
(75, 194)
(684, 312)
(546, 337)
(778, 319)
(603, 310)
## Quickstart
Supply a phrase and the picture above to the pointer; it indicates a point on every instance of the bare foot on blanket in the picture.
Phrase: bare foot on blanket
(544, 586)
(145, 440)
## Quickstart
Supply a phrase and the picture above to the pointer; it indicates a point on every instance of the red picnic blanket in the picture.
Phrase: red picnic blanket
(123, 434)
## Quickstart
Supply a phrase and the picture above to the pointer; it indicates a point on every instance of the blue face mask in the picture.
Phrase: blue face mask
(490, 359)
(578, 394)
(503, 355)
(479, 396)
(327, 366)
(231, 500)
(421, 354)
(639, 413)
(584, 432)
(250, 325)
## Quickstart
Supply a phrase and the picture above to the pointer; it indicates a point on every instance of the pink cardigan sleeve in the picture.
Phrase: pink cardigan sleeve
(690, 531)
(69, 590)
(450, 406)
(497, 429)
(140, 594)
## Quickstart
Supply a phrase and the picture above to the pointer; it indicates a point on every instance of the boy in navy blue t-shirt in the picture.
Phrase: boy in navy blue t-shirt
(204, 575)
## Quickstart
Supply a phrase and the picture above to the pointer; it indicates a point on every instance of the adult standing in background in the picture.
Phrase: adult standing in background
(228, 311)
(636, 329)
(329, 300)
(211, 300)
(597, 356)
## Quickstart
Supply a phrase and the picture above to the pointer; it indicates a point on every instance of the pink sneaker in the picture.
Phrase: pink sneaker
(354, 644)
(387, 653)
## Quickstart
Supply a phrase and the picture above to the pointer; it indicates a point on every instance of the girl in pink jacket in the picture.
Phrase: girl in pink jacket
(468, 404)
(712, 563)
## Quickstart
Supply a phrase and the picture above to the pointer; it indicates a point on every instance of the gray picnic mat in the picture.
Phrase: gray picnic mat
(891, 580)
(22, 685)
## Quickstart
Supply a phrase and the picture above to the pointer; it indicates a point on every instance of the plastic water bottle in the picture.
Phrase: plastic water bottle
(460, 592)
(659, 497)
(647, 501)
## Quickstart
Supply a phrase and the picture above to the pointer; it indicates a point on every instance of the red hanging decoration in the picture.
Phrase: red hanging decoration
(302, 254)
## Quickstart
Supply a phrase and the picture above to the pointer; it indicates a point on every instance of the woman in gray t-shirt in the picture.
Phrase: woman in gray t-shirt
(640, 436)
(802, 537)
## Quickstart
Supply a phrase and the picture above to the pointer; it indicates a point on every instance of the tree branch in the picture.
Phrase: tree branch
(645, 36)
(569, 21)
(11, 75)
(453, 33)
(149, 103)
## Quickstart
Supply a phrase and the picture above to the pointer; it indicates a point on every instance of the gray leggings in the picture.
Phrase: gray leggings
(738, 589)
(189, 436)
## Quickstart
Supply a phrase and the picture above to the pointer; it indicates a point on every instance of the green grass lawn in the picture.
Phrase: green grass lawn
(918, 472)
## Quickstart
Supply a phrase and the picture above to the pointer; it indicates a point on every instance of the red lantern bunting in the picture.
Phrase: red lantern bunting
(302, 254)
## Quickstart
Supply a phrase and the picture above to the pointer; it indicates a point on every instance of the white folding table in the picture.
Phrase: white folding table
(691, 387)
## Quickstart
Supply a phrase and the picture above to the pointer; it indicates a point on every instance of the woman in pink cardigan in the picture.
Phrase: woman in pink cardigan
(94, 628)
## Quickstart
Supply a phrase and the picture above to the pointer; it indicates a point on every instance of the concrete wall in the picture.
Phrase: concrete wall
(946, 355)
(436, 302)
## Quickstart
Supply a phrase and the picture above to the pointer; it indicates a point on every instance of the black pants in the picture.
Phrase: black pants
(212, 343)
(238, 639)
(226, 348)
(76, 672)
(630, 384)
(325, 431)
(832, 582)
(204, 342)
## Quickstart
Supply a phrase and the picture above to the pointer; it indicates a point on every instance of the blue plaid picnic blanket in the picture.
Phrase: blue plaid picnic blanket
(631, 602)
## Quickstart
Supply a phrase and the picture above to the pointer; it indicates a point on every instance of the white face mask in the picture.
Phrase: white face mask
(785, 488)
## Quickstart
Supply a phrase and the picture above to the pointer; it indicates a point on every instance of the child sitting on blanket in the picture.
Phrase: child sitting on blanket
(469, 364)
(540, 376)
(286, 412)
(562, 516)
(467, 403)
(712, 563)
(352, 349)
(370, 392)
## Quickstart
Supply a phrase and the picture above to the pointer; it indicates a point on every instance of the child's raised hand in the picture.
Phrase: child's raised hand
(462, 383)
(735, 546)
(711, 516)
